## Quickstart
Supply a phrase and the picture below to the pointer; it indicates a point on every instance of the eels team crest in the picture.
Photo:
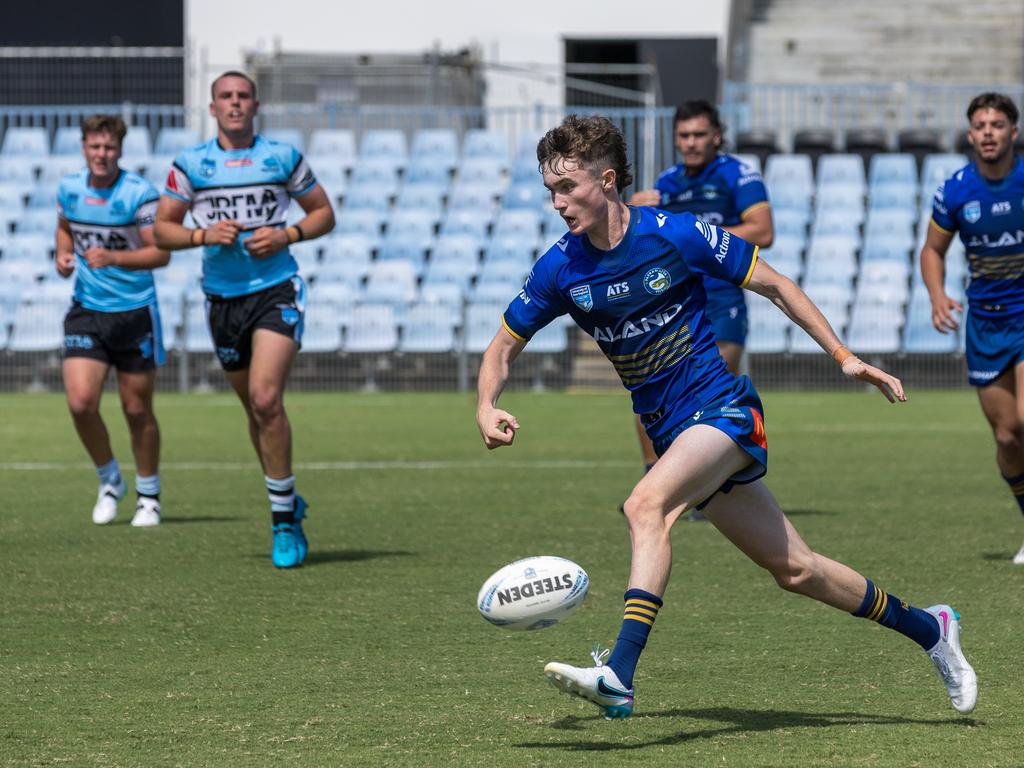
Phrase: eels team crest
(657, 280)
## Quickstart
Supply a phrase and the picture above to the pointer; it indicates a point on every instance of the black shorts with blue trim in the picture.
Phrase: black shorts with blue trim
(280, 308)
(130, 341)
(740, 415)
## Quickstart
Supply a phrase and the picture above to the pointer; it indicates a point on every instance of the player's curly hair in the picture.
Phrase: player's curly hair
(111, 124)
(595, 142)
(997, 101)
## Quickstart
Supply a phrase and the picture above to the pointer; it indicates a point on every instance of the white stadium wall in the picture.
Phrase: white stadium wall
(528, 32)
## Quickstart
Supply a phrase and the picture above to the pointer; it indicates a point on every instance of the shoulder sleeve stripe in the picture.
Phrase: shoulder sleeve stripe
(754, 207)
(941, 229)
(505, 325)
(753, 261)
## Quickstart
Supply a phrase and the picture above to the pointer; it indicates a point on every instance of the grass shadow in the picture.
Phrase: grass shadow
(804, 512)
(734, 721)
(323, 556)
(997, 557)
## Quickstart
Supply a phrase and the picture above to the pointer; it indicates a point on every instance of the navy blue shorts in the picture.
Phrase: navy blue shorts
(130, 341)
(279, 308)
(994, 345)
(740, 415)
(727, 313)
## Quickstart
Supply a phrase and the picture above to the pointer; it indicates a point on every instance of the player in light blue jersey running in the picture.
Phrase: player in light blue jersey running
(718, 189)
(105, 238)
(238, 187)
(984, 201)
(706, 424)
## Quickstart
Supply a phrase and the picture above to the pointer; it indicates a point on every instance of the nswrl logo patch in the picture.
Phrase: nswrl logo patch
(582, 296)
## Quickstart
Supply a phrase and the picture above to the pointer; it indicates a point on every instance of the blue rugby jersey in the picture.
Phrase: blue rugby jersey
(990, 218)
(252, 186)
(720, 194)
(643, 302)
(108, 218)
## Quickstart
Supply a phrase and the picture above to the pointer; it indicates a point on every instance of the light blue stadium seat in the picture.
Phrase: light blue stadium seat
(892, 167)
(43, 196)
(524, 223)
(839, 271)
(342, 296)
(412, 225)
(789, 172)
(552, 226)
(440, 145)
(195, 331)
(785, 197)
(322, 326)
(334, 142)
(791, 222)
(422, 196)
(12, 197)
(476, 197)
(525, 169)
(171, 141)
(485, 144)
(31, 247)
(374, 171)
(307, 255)
(832, 248)
(785, 246)
(136, 143)
(496, 292)
(428, 170)
(367, 222)
(371, 328)
(837, 292)
(26, 142)
(503, 271)
(788, 265)
(510, 248)
(529, 195)
(401, 249)
(466, 222)
(483, 172)
(292, 136)
(450, 271)
(526, 146)
(68, 141)
(56, 167)
(894, 194)
(451, 296)
(386, 145)
(849, 200)
(375, 197)
(157, 169)
(20, 170)
(922, 337)
(552, 339)
(751, 161)
(37, 326)
(482, 321)
(846, 170)
(427, 328)
(936, 169)
(769, 328)
(463, 248)
(834, 222)
(882, 249)
(391, 282)
(37, 220)
(892, 226)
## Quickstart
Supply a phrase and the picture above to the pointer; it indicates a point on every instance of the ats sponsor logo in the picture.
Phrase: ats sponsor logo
(618, 291)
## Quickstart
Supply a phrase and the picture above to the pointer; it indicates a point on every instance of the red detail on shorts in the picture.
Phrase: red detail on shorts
(758, 436)
(172, 183)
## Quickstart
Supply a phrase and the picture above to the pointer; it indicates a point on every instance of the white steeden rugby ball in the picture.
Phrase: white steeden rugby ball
(533, 593)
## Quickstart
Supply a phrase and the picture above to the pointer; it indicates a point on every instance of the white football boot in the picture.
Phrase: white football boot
(950, 664)
(1018, 559)
(597, 684)
(106, 502)
(147, 512)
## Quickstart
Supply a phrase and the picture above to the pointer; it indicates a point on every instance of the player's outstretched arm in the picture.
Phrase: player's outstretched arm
(788, 297)
(933, 272)
(497, 427)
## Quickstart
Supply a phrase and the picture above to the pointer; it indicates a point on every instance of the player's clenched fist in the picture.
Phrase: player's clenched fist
(222, 233)
(497, 427)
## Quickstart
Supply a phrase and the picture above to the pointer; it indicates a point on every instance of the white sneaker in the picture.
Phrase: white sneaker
(597, 684)
(958, 676)
(1018, 559)
(106, 502)
(147, 513)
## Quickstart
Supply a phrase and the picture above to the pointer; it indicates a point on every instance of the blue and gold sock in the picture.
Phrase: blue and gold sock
(637, 621)
(282, 498)
(888, 610)
(1017, 489)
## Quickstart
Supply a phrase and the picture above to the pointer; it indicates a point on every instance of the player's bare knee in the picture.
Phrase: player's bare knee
(82, 407)
(265, 404)
(795, 574)
(644, 511)
(1008, 436)
(138, 414)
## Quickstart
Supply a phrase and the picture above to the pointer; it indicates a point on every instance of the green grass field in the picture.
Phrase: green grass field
(183, 646)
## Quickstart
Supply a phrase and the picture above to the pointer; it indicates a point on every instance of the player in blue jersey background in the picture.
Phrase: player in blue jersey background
(718, 189)
(105, 239)
(984, 202)
(238, 187)
(706, 424)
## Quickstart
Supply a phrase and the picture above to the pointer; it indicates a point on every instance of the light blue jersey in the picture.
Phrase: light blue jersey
(252, 186)
(110, 218)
